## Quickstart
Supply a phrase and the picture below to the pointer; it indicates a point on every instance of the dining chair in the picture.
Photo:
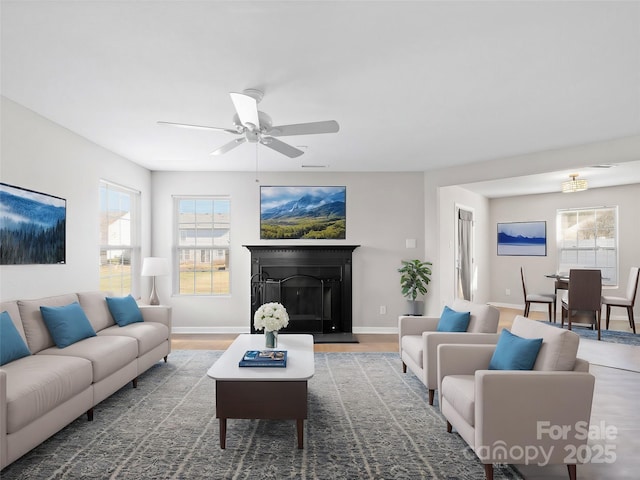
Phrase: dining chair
(628, 301)
(584, 295)
(529, 298)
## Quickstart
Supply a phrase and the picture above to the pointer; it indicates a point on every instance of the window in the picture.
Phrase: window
(119, 239)
(202, 245)
(588, 238)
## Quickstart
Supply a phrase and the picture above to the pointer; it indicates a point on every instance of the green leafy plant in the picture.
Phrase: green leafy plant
(414, 278)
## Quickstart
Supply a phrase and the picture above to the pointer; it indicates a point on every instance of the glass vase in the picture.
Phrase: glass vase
(271, 339)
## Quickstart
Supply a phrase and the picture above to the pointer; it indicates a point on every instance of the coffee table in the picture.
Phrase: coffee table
(263, 392)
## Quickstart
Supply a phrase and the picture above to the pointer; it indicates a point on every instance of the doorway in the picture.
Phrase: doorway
(464, 260)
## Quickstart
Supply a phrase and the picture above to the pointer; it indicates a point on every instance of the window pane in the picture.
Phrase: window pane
(118, 217)
(588, 239)
(115, 271)
(203, 228)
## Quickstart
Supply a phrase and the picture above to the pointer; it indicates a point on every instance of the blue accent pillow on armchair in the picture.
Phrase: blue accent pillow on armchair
(67, 325)
(515, 353)
(124, 310)
(12, 346)
(452, 321)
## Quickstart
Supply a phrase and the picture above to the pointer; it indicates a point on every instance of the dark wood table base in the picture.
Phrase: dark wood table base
(270, 400)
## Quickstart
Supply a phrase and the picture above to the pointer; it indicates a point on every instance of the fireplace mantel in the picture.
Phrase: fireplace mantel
(313, 282)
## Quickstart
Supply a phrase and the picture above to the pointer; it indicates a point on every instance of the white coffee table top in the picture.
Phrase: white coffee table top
(300, 363)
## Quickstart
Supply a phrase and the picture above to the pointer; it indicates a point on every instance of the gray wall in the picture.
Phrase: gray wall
(383, 210)
(505, 271)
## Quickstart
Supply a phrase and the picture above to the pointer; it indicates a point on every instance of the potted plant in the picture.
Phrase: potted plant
(414, 278)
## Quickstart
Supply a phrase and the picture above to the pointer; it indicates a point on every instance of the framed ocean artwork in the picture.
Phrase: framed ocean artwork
(522, 238)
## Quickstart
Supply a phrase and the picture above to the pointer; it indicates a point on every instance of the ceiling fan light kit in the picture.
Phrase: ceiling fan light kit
(574, 185)
(255, 126)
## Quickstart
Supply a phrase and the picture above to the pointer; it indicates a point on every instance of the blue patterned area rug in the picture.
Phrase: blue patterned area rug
(367, 420)
(611, 336)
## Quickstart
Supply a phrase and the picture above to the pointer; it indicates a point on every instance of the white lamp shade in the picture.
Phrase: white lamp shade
(154, 266)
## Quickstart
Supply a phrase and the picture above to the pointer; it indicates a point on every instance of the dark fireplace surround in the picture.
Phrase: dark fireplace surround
(313, 282)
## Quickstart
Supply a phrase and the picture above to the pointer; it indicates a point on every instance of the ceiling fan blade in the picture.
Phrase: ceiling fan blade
(201, 127)
(281, 147)
(229, 146)
(330, 126)
(247, 108)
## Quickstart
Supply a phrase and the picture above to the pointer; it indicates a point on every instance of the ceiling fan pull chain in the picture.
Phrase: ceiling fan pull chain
(257, 179)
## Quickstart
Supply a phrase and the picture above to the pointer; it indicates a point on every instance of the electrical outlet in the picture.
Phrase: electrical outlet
(383, 310)
(507, 291)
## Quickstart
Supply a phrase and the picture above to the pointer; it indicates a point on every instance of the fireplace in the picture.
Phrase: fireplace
(313, 282)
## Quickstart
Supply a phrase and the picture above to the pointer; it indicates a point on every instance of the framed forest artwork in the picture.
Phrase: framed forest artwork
(32, 227)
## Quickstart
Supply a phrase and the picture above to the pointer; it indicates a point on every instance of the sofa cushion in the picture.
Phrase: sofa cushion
(413, 346)
(124, 310)
(514, 353)
(36, 333)
(559, 347)
(38, 383)
(148, 334)
(67, 324)
(483, 318)
(107, 354)
(11, 307)
(95, 306)
(452, 321)
(459, 390)
(12, 346)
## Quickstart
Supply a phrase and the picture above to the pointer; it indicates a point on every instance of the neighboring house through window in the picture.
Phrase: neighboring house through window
(202, 245)
(588, 238)
(119, 239)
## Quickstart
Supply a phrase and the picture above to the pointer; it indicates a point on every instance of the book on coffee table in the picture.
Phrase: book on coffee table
(264, 358)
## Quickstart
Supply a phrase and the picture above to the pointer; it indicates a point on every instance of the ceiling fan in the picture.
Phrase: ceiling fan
(253, 126)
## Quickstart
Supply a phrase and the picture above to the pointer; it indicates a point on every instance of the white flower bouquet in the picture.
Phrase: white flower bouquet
(271, 316)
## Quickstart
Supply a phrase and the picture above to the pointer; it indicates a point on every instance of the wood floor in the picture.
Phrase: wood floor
(616, 368)
(367, 342)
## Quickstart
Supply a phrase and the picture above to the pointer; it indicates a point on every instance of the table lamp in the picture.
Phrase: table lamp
(153, 267)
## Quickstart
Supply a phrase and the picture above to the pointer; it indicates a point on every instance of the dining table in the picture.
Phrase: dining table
(562, 281)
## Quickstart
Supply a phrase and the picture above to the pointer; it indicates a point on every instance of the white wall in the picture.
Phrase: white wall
(505, 271)
(383, 209)
(40, 155)
(450, 198)
(438, 233)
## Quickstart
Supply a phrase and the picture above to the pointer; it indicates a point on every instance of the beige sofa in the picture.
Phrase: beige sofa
(514, 416)
(419, 340)
(45, 391)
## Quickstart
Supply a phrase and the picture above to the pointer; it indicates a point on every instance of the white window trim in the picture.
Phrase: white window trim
(178, 249)
(605, 284)
(135, 224)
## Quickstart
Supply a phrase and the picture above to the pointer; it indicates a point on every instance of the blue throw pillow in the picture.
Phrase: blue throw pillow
(12, 346)
(124, 310)
(515, 353)
(452, 321)
(67, 325)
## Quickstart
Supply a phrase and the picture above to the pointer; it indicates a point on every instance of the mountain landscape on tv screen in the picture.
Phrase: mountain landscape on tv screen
(308, 216)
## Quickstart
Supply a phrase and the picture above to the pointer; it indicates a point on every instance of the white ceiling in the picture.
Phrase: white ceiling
(415, 85)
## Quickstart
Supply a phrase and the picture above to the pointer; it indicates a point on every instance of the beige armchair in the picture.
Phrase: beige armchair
(514, 416)
(419, 340)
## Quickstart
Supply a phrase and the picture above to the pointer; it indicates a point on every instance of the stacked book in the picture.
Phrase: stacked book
(264, 358)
